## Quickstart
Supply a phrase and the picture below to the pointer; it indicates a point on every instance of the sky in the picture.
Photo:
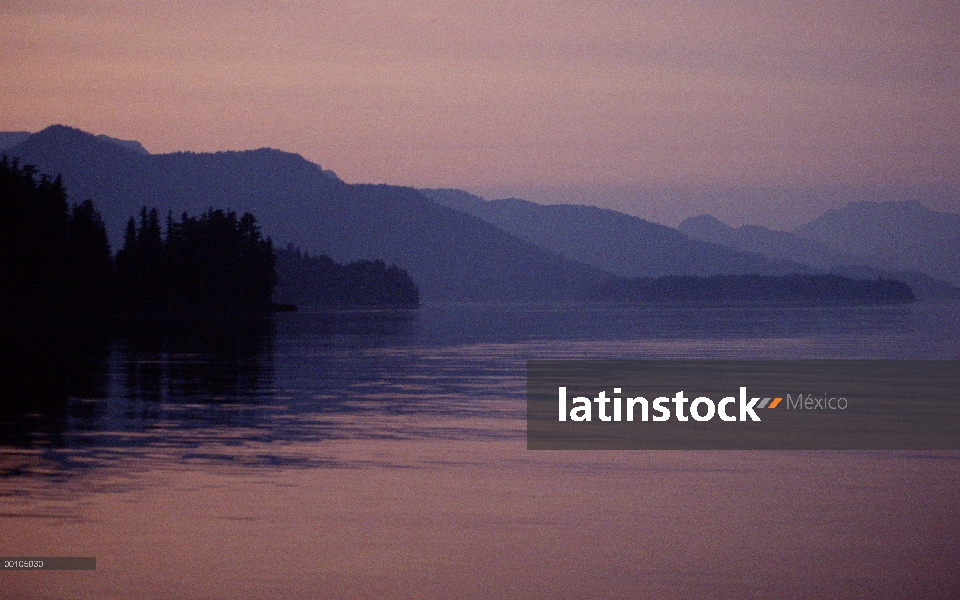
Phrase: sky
(759, 112)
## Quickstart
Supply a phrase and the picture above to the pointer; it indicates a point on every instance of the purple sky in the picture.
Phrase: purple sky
(764, 112)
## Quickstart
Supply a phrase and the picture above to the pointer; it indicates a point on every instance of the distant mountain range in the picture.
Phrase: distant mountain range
(458, 246)
(900, 236)
(621, 244)
(632, 247)
(867, 240)
(782, 245)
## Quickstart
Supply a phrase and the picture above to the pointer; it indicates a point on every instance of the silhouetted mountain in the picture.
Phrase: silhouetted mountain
(449, 254)
(897, 236)
(778, 245)
(785, 245)
(621, 244)
(9, 139)
(128, 144)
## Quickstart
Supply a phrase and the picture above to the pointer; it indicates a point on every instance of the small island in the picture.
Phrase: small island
(319, 281)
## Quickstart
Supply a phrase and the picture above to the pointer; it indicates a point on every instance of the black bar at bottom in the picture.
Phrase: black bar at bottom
(49, 563)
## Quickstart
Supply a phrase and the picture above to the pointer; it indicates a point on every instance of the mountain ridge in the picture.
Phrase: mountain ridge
(459, 246)
(926, 283)
(774, 243)
(898, 235)
(451, 256)
(622, 244)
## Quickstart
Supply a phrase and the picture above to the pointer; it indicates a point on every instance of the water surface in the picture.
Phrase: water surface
(374, 453)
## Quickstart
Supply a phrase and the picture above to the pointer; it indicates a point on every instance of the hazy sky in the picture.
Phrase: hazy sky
(591, 100)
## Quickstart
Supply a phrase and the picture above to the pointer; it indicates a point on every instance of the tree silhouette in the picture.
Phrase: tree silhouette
(89, 264)
(212, 263)
(53, 260)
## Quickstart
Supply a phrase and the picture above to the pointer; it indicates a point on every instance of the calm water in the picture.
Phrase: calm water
(372, 454)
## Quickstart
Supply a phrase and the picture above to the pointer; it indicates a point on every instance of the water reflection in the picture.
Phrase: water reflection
(248, 389)
(211, 359)
(73, 391)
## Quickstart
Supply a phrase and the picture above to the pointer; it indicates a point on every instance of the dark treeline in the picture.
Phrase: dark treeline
(213, 263)
(320, 281)
(757, 289)
(54, 258)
